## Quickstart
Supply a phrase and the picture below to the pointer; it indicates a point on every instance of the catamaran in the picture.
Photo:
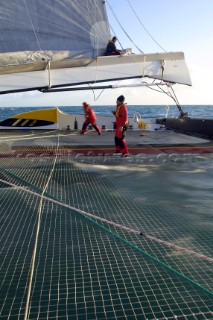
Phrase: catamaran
(85, 234)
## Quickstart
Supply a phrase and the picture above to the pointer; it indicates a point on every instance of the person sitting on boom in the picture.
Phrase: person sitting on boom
(111, 49)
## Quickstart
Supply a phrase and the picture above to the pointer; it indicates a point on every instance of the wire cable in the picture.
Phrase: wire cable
(123, 28)
(144, 26)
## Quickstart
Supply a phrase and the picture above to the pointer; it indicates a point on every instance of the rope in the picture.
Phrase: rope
(37, 234)
(174, 246)
(94, 96)
(196, 314)
(137, 232)
(88, 216)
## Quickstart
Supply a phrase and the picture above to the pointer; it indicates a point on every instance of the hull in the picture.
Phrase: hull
(202, 127)
(55, 119)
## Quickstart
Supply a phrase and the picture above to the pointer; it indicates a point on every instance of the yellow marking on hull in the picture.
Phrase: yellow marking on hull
(48, 115)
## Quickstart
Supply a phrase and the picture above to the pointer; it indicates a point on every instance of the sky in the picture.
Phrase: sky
(175, 25)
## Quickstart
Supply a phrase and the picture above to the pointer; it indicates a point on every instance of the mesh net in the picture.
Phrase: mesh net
(57, 263)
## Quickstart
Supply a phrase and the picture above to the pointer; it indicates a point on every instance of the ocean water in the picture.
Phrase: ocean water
(146, 111)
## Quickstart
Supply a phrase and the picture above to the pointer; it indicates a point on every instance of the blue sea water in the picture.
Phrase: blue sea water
(146, 111)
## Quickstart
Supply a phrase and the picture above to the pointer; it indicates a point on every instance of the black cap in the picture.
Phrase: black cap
(121, 99)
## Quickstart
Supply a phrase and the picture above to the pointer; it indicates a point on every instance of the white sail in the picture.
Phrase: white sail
(52, 44)
(73, 26)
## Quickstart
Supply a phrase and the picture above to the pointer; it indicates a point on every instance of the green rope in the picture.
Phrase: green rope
(113, 234)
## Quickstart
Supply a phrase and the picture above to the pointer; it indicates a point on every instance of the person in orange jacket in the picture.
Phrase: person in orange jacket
(90, 118)
(121, 115)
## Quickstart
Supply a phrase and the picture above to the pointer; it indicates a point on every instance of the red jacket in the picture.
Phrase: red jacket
(121, 115)
(90, 114)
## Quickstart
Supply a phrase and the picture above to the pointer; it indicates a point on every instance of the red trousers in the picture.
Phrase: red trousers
(120, 142)
(93, 123)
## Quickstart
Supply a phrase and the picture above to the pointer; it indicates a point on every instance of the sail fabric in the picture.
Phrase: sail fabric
(74, 27)
(51, 43)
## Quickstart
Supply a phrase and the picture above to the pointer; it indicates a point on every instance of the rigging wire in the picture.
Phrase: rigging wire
(34, 30)
(114, 33)
(169, 94)
(123, 27)
(173, 96)
(94, 97)
(144, 26)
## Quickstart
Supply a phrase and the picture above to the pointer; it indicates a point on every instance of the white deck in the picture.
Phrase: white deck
(91, 138)
(137, 138)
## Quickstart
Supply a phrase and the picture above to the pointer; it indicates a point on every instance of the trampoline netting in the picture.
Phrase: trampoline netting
(65, 248)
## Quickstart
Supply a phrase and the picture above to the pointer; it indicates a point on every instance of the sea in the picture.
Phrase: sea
(146, 111)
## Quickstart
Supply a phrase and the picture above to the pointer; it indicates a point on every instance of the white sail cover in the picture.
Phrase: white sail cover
(50, 43)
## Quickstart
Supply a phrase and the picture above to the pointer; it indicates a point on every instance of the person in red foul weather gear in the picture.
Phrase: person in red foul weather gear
(90, 118)
(121, 115)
